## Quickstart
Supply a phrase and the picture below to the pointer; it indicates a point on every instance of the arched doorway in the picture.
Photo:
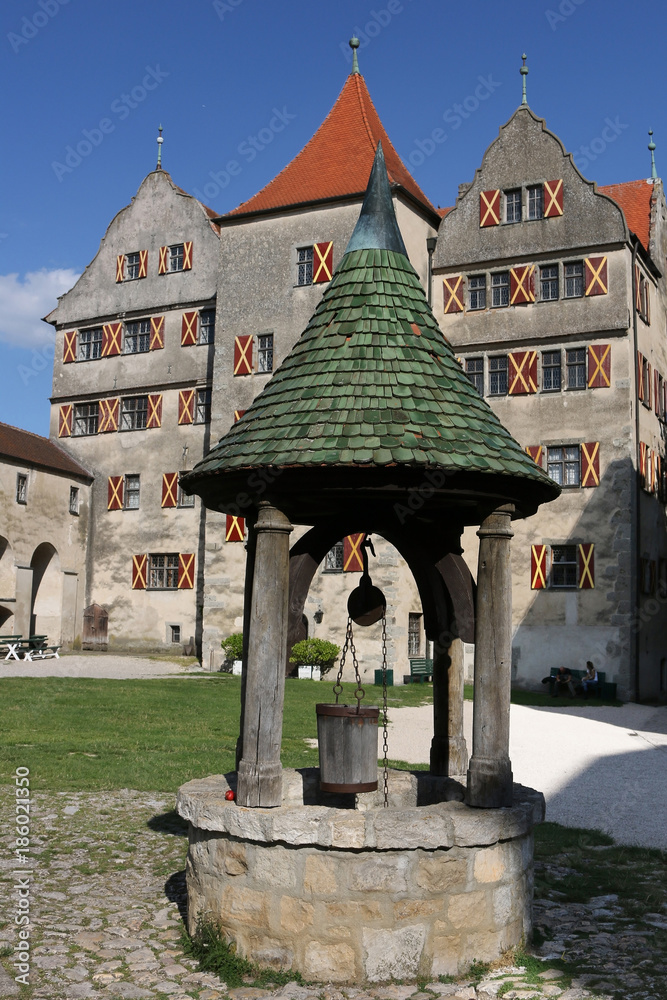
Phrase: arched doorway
(7, 570)
(47, 593)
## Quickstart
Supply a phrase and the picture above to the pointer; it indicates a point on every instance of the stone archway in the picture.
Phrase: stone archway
(6, 615)
(47, 593)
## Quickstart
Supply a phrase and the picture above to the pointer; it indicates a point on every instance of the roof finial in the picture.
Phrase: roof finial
(160, 140)
(524, 74)
(354, 45)
(651, 146)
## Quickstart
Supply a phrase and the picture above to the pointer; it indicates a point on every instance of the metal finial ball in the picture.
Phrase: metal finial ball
(354, 43)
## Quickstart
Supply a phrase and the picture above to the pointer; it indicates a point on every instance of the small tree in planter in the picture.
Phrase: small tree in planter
(315, 653)
(233, 649)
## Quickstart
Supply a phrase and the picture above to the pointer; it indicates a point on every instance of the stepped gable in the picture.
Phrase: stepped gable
(634, 197)
(337, 160)
(372, 384)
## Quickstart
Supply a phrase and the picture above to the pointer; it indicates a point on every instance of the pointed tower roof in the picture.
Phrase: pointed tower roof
(337, 160)
(369, 399)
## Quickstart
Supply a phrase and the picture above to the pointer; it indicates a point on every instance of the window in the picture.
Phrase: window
(500, 289)
(206, 326)
(549, 283)
(131, 493)
(414, 634)
(175, 259)
(551, 371)
(333, 561)
(74, 500)
(90, 344)
(498, 375)
(477, 292)
(184, 500)
(576, 368)
(21, 488)
(646, 380)
(564, 566)
(535, 202)
(131, 266)
(162, 572)
(574, 280)
(133, 413)
(137, 337)
(304, 266)
(564, 465)
(174, 633)
(475, 372)
(86, 416)
(203, 406)
(265, 352)
(513, 206)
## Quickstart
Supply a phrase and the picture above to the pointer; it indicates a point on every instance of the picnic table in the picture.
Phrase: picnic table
(35, 647)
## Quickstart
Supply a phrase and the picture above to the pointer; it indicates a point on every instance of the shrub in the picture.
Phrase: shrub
(233, 646)
(315, 653)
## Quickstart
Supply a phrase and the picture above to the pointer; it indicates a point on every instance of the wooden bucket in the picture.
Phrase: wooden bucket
(348, 745)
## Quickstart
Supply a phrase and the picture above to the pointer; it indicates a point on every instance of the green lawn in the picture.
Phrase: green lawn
(86, 734)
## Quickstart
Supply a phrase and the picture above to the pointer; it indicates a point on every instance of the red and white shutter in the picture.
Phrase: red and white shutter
(595, 276)
(186, 406)
(143, 263)
(322, 262)
(65, 421)
(538, 567)
(648, 388)
(590, 464)
(235, 528)
(243, 355)
(115, 485)
(522, 285)
(353, 561)
(69, 346)
(553, 199)
(640, 376)
(599, 366)
(522, 373)
(643, 449)
(586, 566)
(154, 411)
(163, 260)
(238, 414)
(489, 208)
(120, 267)
(108, 416)
(157, 333)
(454, 290)
(189, 329)
(111, 335)
(186, 571)
(187, 256)
(169, 489)
(139, 568)
(535, 452)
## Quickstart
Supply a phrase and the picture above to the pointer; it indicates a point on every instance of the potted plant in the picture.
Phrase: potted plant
(233, 650)
(314, 657)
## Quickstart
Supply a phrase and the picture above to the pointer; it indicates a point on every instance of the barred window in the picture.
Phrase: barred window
(475, 372)
(551, 371)
(21, 488)
(86, 416)
(513, 206)
(133, 413)
(500, 289)
(265, 352)
(477, 292)
(90, 344)
(74, 499)
(414, 634)
(203, 406)
(333, 561)
(564, 465)
(498, 375)
(535, 202)
(131, 266)
(206, 326)
(576, 368)
(137, 337)
(162, 572)
(304, 262)
(574, 280)
(131, 492)
(549, 282)
(564, 566)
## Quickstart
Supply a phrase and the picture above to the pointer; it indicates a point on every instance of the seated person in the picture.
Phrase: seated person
(563, 680)
(590, 681)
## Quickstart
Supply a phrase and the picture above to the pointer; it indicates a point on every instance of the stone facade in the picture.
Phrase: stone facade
(365, 894)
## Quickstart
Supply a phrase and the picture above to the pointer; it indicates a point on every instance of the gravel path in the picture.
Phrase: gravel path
(96, 665)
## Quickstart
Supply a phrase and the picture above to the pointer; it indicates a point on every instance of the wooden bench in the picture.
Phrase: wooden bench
(421, 669)
(8, 646)
(605, 689)
(44, 653)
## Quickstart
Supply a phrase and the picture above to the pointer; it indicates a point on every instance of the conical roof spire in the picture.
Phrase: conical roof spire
(377, 228)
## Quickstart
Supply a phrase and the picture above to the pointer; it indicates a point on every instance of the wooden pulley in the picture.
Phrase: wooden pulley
(366, 604)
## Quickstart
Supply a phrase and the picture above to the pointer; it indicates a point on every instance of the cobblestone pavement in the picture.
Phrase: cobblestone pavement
(107, 896)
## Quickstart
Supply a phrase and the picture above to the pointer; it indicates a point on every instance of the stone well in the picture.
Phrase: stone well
(342, 889)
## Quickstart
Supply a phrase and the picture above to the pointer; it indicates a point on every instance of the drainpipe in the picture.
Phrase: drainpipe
(635, 638)
(430, 247)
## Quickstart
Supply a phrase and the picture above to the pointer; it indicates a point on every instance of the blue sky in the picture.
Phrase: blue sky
(99, 77)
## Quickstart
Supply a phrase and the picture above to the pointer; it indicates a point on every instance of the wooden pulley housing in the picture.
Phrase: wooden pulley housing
(366, 604)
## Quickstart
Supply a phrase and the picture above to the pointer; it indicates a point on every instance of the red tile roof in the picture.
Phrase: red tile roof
(338, 159)
(634, 197)
(31, 449)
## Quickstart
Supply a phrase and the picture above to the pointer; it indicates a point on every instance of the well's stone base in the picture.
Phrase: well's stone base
(366, 893)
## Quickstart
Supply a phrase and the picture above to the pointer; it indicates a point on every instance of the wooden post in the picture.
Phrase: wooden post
(449, 754)
(490, 771)
(247, 606)
(260, 771)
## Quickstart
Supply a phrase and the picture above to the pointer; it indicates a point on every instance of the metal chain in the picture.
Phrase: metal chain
(338, 687)
(349, 646)
(385, 745)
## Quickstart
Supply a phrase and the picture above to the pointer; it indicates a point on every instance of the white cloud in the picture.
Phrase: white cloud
(23, 302)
